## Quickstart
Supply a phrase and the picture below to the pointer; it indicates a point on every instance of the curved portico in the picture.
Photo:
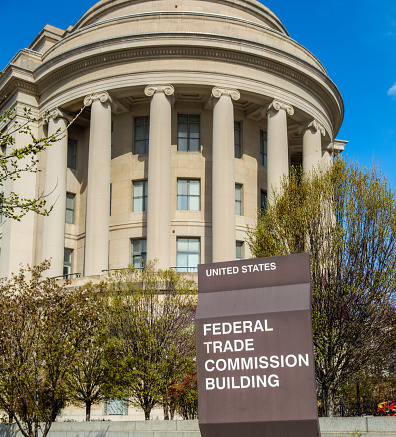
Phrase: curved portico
(191, 117)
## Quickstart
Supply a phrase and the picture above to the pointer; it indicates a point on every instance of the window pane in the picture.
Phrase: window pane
(263, 202)
(237, 140)
(182, 245)
(238, 199)
(188, 254)
(182, 260)
(139, 253)
(141, 137)
(182, 203)
(195, 187)
(71, 154)
(70, 202)
(188, 129)
(139, 196)
(67, 261)
(182, 187)
(188, 194)
(194, 145)
(194, 204)
(183, 130)
(263, 148)
(182, 145)
(239, 247)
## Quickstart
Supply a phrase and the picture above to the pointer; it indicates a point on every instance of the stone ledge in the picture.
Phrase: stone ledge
(330, 427)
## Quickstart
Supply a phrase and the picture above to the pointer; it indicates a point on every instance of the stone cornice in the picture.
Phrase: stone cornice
(134, 54)
(277, 105)
(233, 93)
(313, 125)
(150, 90)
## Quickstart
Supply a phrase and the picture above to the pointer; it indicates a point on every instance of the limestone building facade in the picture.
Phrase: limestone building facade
(192, 112)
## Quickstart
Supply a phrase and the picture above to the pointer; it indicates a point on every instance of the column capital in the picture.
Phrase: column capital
(277, 105)
(232, 92)
(102, 96)
(57, 113)
(313, 125)
(150, 90)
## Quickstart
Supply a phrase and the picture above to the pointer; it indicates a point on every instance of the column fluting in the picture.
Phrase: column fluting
(312, 144)
(98, 194)
(55, 192)
(277, 144)
(223, 175)
(159, 175)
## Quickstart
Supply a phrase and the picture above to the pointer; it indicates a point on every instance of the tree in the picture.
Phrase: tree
(43, 326)
(152, 339)
(183, 398)
(15, 161)
(345, 218)
(87, 377)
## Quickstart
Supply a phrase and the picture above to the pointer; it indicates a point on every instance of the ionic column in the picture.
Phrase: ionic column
(98, 194)
(159, 175)
(55, 192)
(312, 144)
(223, 175)
(277, 144)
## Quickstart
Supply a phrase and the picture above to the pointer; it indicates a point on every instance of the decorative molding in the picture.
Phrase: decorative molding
(277, 105)
(103, 97)
(134, 54)
(150, 90)
(57, 113)
(231, 92)
(313, 125)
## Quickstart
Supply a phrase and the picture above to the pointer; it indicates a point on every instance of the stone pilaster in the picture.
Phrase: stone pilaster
(223, 175)
(55, 192)
(312, 144)
(277, 144)
(98, 195)
(159, 175)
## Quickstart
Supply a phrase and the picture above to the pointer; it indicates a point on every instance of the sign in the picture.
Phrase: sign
(255, 364)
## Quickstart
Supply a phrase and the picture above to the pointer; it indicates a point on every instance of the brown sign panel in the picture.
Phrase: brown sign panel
(254, 349)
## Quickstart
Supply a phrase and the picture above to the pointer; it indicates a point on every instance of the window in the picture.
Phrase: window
(188, 194)
(239, 250)
(67, 262)
(263, 202)
(141, 137)
(237, 139)
(140, 196)
(188, 254)
(238, 199)
(263, 148)
(116, 407)
(139, 253)
(72, 154)
(188, 127)
(70, 203)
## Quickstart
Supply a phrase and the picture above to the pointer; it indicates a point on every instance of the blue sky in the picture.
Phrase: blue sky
(354, 39)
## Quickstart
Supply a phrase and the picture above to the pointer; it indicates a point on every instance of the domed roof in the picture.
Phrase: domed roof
(250, 10)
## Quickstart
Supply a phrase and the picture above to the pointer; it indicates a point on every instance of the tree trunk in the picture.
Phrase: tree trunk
(328, 402)
(88, 405)
(166, 411)
(147, 415)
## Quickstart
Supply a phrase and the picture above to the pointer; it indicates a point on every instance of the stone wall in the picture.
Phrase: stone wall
(330, 427)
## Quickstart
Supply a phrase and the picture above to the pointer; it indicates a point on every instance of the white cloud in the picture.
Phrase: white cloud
(392, 91)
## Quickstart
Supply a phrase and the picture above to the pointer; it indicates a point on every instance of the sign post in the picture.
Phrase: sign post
(255, 364)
